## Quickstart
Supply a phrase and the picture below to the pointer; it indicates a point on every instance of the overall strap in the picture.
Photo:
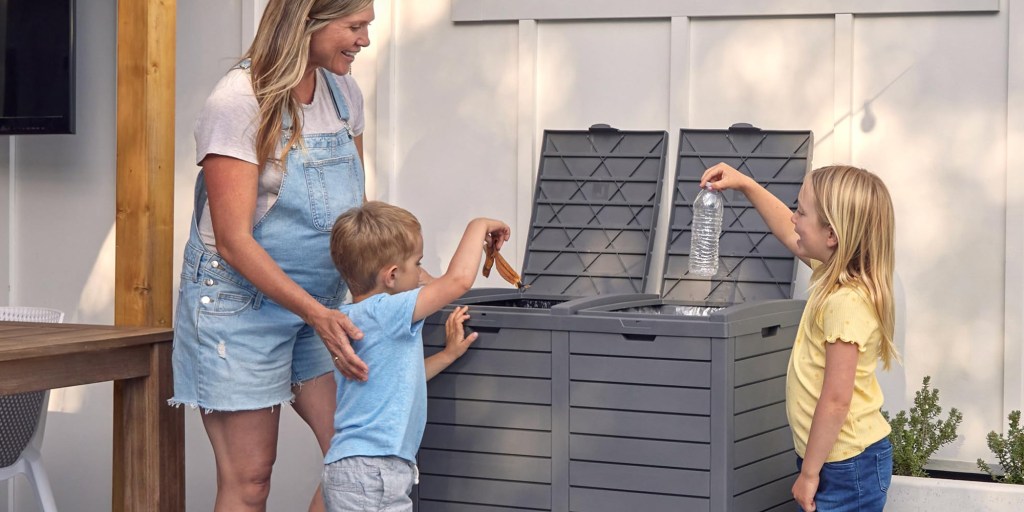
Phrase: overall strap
(200, 203)
(339, 99)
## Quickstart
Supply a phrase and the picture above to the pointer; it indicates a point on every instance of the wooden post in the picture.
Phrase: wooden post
(145, 218)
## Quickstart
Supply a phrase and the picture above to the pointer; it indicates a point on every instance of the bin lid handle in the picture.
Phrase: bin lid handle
(743, 127)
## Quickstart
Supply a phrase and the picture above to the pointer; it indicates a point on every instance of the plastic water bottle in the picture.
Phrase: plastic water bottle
(705, 231)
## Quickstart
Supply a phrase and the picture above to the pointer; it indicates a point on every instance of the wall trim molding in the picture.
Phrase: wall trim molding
(505, 10)
(1013, 315)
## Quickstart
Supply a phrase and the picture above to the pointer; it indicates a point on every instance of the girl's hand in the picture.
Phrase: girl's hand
(456, 342)
(724, 177)
(336, 330)
(804, 489)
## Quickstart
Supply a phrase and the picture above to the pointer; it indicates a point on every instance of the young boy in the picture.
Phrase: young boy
(378, 426)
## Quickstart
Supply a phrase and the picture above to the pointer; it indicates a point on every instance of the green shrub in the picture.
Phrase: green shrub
(917, 436)
(1010, 452)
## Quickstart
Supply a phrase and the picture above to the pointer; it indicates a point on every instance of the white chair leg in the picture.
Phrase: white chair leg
(37, 477)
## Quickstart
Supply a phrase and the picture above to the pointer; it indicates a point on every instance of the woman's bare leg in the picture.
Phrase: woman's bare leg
(245, 447)
(315, 401)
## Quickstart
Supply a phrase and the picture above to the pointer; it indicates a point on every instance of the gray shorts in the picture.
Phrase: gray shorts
(369, 484)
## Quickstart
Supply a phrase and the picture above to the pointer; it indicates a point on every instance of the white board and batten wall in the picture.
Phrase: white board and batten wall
(926, 93)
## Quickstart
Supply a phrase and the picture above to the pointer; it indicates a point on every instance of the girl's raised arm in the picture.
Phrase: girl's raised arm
(776, 214)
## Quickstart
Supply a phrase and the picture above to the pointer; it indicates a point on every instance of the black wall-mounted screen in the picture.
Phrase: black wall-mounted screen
(37, 66)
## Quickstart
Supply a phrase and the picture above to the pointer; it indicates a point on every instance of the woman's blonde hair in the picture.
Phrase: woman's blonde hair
(367, 238)
(279, 55)
(856, 205)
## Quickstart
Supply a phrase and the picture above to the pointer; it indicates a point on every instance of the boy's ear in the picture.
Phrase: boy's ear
(388, 275)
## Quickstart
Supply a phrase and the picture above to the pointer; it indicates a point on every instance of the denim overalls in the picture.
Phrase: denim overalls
(234, 348)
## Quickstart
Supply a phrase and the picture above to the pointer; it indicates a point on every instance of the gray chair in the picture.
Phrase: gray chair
(23, 418)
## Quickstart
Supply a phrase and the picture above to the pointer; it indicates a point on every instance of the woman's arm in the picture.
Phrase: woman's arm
(232, 187)
(829, 414)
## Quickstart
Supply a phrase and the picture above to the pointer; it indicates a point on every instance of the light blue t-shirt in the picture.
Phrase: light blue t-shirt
(385, 415)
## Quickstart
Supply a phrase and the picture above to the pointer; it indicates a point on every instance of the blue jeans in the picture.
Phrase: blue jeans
(857, 484)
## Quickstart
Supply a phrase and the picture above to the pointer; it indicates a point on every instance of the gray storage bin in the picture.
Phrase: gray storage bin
(611, 401)
(700, 369)
(489, 440)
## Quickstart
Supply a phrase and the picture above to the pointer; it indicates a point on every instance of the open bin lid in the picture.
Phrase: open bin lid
(594, 211)
(753, 264)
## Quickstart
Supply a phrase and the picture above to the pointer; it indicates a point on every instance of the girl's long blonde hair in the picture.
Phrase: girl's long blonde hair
(279, 55)
(857, 206)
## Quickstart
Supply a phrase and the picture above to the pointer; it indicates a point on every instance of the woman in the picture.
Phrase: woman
(279, 142)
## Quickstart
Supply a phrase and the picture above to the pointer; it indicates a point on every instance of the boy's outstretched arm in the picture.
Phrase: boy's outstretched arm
(776, 214)
(461, 273)
(456, 343)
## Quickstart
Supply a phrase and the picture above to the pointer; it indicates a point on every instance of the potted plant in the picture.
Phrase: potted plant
(1009, 451)
(917, 435)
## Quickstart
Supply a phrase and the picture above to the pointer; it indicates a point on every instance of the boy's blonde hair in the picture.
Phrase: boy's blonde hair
(856, 205)
(367, 238)
(279, 54)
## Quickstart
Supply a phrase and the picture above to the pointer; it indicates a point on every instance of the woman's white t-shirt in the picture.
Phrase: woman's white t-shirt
(228, 122)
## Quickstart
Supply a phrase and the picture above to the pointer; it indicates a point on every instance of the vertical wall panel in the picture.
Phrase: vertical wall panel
(613, 72)
(1013, 358)
(773, 73)
(930, 119)
(457, 131)
(843, 82)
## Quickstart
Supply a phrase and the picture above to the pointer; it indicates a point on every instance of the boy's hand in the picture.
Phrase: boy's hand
(723, 177)
(456, 341)
(497, 233)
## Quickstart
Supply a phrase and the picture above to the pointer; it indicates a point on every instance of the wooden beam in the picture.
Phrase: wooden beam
(143, 285)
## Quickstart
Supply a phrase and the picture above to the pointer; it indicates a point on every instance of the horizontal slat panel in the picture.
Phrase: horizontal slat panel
(598, 500)
(767, 497)
(760, 394)
(499, 362)
(760, 420)
(761, 368)
(754, 344)
(536, 340)
(484, 465)
(764, 471)
(764, 445)
(640, 398)
(444, 506)
(485, 387)
(640, 478)
(640, 371)
(640, 451)
(661, 347)
(489, 414)
(485, 492)
(488, 440)
(641, 425)
(504, 10)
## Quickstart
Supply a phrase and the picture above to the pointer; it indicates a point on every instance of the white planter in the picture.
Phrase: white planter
(912, 494)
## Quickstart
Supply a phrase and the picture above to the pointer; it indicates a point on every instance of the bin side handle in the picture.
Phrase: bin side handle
(771, 331)
(639, 337)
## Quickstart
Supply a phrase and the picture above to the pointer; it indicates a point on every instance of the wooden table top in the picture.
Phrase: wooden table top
(24, 340)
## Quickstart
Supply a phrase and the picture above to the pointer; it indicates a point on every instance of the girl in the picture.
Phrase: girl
(842, 229)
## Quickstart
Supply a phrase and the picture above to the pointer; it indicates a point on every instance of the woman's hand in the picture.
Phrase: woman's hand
(337, 330)
(804, 489)
(456, 342)
(723, 177)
